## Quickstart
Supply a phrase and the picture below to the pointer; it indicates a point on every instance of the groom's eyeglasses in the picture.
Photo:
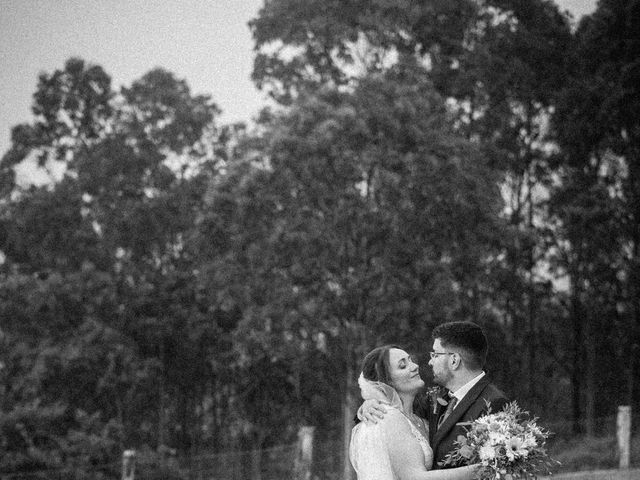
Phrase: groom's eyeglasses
(435, 354)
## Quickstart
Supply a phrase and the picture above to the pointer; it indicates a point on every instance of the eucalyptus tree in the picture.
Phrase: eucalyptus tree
(598, 129)
(101, 250)
(498, 64)
(338, 229)
(506, 90)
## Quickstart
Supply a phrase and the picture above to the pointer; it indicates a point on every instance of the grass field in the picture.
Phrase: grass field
(633, 474)
(589, 453)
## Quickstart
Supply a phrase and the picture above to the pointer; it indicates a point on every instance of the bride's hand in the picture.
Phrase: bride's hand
(474, 469)
(371, 411)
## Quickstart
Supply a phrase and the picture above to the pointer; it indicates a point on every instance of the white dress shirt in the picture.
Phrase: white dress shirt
(463, 390)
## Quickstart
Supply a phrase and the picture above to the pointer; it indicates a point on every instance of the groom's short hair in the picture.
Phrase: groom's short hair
(467, 337)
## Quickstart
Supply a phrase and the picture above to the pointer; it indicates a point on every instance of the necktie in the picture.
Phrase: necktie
(452, 403)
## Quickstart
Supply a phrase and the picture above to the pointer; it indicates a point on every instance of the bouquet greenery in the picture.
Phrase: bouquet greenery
(508, 445)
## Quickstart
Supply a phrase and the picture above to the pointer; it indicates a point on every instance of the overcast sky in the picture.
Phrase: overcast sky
(206, 42)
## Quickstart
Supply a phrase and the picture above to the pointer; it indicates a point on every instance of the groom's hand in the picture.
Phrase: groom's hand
(371, 411)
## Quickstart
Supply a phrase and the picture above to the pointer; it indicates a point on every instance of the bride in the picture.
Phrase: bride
(396, 448)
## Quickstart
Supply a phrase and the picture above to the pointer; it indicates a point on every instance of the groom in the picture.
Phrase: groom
(457, 360)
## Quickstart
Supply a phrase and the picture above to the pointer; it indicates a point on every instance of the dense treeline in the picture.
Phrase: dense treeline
(201, 287)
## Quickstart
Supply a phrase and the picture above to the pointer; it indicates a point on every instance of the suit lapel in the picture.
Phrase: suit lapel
(460, 410)
(434, 415)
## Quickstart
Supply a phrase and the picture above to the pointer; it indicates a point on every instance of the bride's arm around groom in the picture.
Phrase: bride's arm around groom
(407, 459)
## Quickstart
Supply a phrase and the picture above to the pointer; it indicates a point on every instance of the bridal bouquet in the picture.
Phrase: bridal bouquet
(508, 445)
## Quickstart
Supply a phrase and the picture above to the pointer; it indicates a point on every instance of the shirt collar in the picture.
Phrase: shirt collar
(463, 390)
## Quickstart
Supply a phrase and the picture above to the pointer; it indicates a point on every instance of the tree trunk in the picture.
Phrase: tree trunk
(634, 339)
(531, 338)
(531, 287)
(162, 421)
(576, 371)
(590, 377)
(123, 433)
(256, 455)
(348, 413)
(631, 369)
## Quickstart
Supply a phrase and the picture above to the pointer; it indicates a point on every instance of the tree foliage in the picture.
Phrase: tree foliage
(183, 285)
(597, 202)
(100, 309)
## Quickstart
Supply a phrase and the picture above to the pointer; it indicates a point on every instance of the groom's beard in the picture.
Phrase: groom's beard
(442, 378)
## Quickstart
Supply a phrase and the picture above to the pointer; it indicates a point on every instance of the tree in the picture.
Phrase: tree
(598, 130)
(499, 65)
(301, 46)
(101, 255)
(342, 215)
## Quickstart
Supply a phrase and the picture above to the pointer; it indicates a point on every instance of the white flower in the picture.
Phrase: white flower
(535, 430)
(505, 444)
(529, 441)
(497, 438)
(515, 449)
(487, 452)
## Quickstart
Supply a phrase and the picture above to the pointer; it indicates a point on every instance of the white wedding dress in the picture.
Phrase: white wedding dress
(367, 450)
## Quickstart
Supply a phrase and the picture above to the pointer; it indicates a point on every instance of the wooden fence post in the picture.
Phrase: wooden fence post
(128, 464)
(624, 435)
(304, 453)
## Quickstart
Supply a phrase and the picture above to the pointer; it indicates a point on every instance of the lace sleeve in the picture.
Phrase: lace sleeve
(368, 453)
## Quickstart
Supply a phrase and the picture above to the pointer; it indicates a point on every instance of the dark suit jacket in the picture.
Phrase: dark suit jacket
(471, 407)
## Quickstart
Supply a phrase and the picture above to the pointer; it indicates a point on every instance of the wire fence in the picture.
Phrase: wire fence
(110, 471)
(276, 463)
(577, 451)
(268, 464)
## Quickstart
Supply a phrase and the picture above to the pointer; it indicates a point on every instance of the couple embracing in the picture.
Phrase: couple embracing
(407, 432)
